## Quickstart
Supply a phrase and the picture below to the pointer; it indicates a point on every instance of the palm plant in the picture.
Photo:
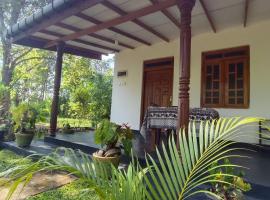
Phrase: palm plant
(178, 173)
(182, 172)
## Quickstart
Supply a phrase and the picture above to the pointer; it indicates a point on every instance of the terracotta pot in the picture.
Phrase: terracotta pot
(107, 160)
(24, 139)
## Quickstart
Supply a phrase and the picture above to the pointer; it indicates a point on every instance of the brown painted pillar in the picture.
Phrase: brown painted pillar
(56, 88)
(185, 7)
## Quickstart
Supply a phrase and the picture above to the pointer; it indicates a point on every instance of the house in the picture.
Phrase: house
(223, 57)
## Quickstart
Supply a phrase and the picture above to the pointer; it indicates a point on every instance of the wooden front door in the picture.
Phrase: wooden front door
(157, 83)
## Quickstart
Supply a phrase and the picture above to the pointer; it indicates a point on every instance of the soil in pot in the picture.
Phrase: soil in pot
(24, 139)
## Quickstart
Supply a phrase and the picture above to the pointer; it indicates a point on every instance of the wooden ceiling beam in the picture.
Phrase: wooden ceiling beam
(136, 21)
(168, 15)
(116, 30)
(94, 35)
(246, 12)
(78, 7)
(36, 42)
(116, 21)
(210, 20)
(80, 41)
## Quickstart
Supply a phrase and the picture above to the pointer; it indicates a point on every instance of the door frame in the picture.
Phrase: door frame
(146, 68)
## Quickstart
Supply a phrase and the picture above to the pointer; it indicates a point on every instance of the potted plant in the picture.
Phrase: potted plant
(25, 127)
(237, 187)
(67, 129)
(112, 136)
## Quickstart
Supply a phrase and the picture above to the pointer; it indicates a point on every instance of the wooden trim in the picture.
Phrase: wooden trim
(116, 30)
(94, 35)
(153, 61)
(136, 21)
(210, 19)
(224, 81)
(246, 12)
(57, 17)
(69, 49)
(168, 15)
(91, 44)
(116, 21)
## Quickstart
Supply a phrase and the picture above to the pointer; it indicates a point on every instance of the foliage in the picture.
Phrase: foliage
(177, 175)
(71, 191)
(126, 185)
(101, 92)
(111, 135)
(236, 183)
(24, 116)
(86, 89)
(9, 159)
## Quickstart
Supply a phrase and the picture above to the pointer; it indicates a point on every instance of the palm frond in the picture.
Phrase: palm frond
(181, 173)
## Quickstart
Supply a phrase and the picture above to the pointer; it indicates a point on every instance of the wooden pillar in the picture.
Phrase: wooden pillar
(56, 88)
(185, 7)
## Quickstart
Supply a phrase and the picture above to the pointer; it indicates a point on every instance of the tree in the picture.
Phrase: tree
(11, 11)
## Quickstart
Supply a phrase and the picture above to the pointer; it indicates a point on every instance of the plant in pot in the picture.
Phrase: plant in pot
(233, 191)
(67, 128)
(25, 120)
(112, 137)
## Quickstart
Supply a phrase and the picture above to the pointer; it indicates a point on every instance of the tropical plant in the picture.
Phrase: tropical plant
(111, 136)
(120, 184)
(183, 172)
(67, 129)
(238, 185)
(24, 117)
(178, 174)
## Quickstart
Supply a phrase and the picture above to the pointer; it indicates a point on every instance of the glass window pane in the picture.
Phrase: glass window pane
(231, 101)
(215, 100)
(209, 69)
(232, 93)
(208, 82)
(240, 70)
(240, 101)
(231, 81)
(216, 72)
(231, 67)
(240, 84)
(216, 85)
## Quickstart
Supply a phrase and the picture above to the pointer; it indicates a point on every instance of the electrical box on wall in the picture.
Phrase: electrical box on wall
(122, 74)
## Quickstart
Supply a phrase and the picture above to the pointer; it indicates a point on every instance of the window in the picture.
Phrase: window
(225, 78)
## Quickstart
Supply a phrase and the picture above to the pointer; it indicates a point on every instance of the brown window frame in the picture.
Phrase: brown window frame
(222, 57)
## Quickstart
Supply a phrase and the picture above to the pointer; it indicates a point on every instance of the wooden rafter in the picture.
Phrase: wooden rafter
(116, 21)
(116, 30)
(136, 21)
(57, 17)
(94, 35)
(211, 22)
(80, 41)
(36, 42)
(168, 15)
(246, 12)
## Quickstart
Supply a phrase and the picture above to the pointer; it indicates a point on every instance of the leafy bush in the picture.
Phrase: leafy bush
(24, 116)
(112, 135)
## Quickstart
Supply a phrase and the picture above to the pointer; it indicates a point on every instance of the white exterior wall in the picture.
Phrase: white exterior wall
(127, 92)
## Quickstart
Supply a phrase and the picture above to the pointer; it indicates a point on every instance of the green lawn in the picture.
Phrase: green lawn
(72, 191)
(72, 122)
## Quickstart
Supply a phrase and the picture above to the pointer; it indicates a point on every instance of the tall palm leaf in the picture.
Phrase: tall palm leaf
(180, 173)
(112, 185)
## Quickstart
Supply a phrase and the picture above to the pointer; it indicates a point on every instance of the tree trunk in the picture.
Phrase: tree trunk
(6, 75)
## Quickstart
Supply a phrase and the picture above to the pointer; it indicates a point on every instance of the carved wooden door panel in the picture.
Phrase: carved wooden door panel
(158, 84)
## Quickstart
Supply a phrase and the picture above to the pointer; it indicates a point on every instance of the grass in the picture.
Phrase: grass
(72, 122)
(72, 191)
